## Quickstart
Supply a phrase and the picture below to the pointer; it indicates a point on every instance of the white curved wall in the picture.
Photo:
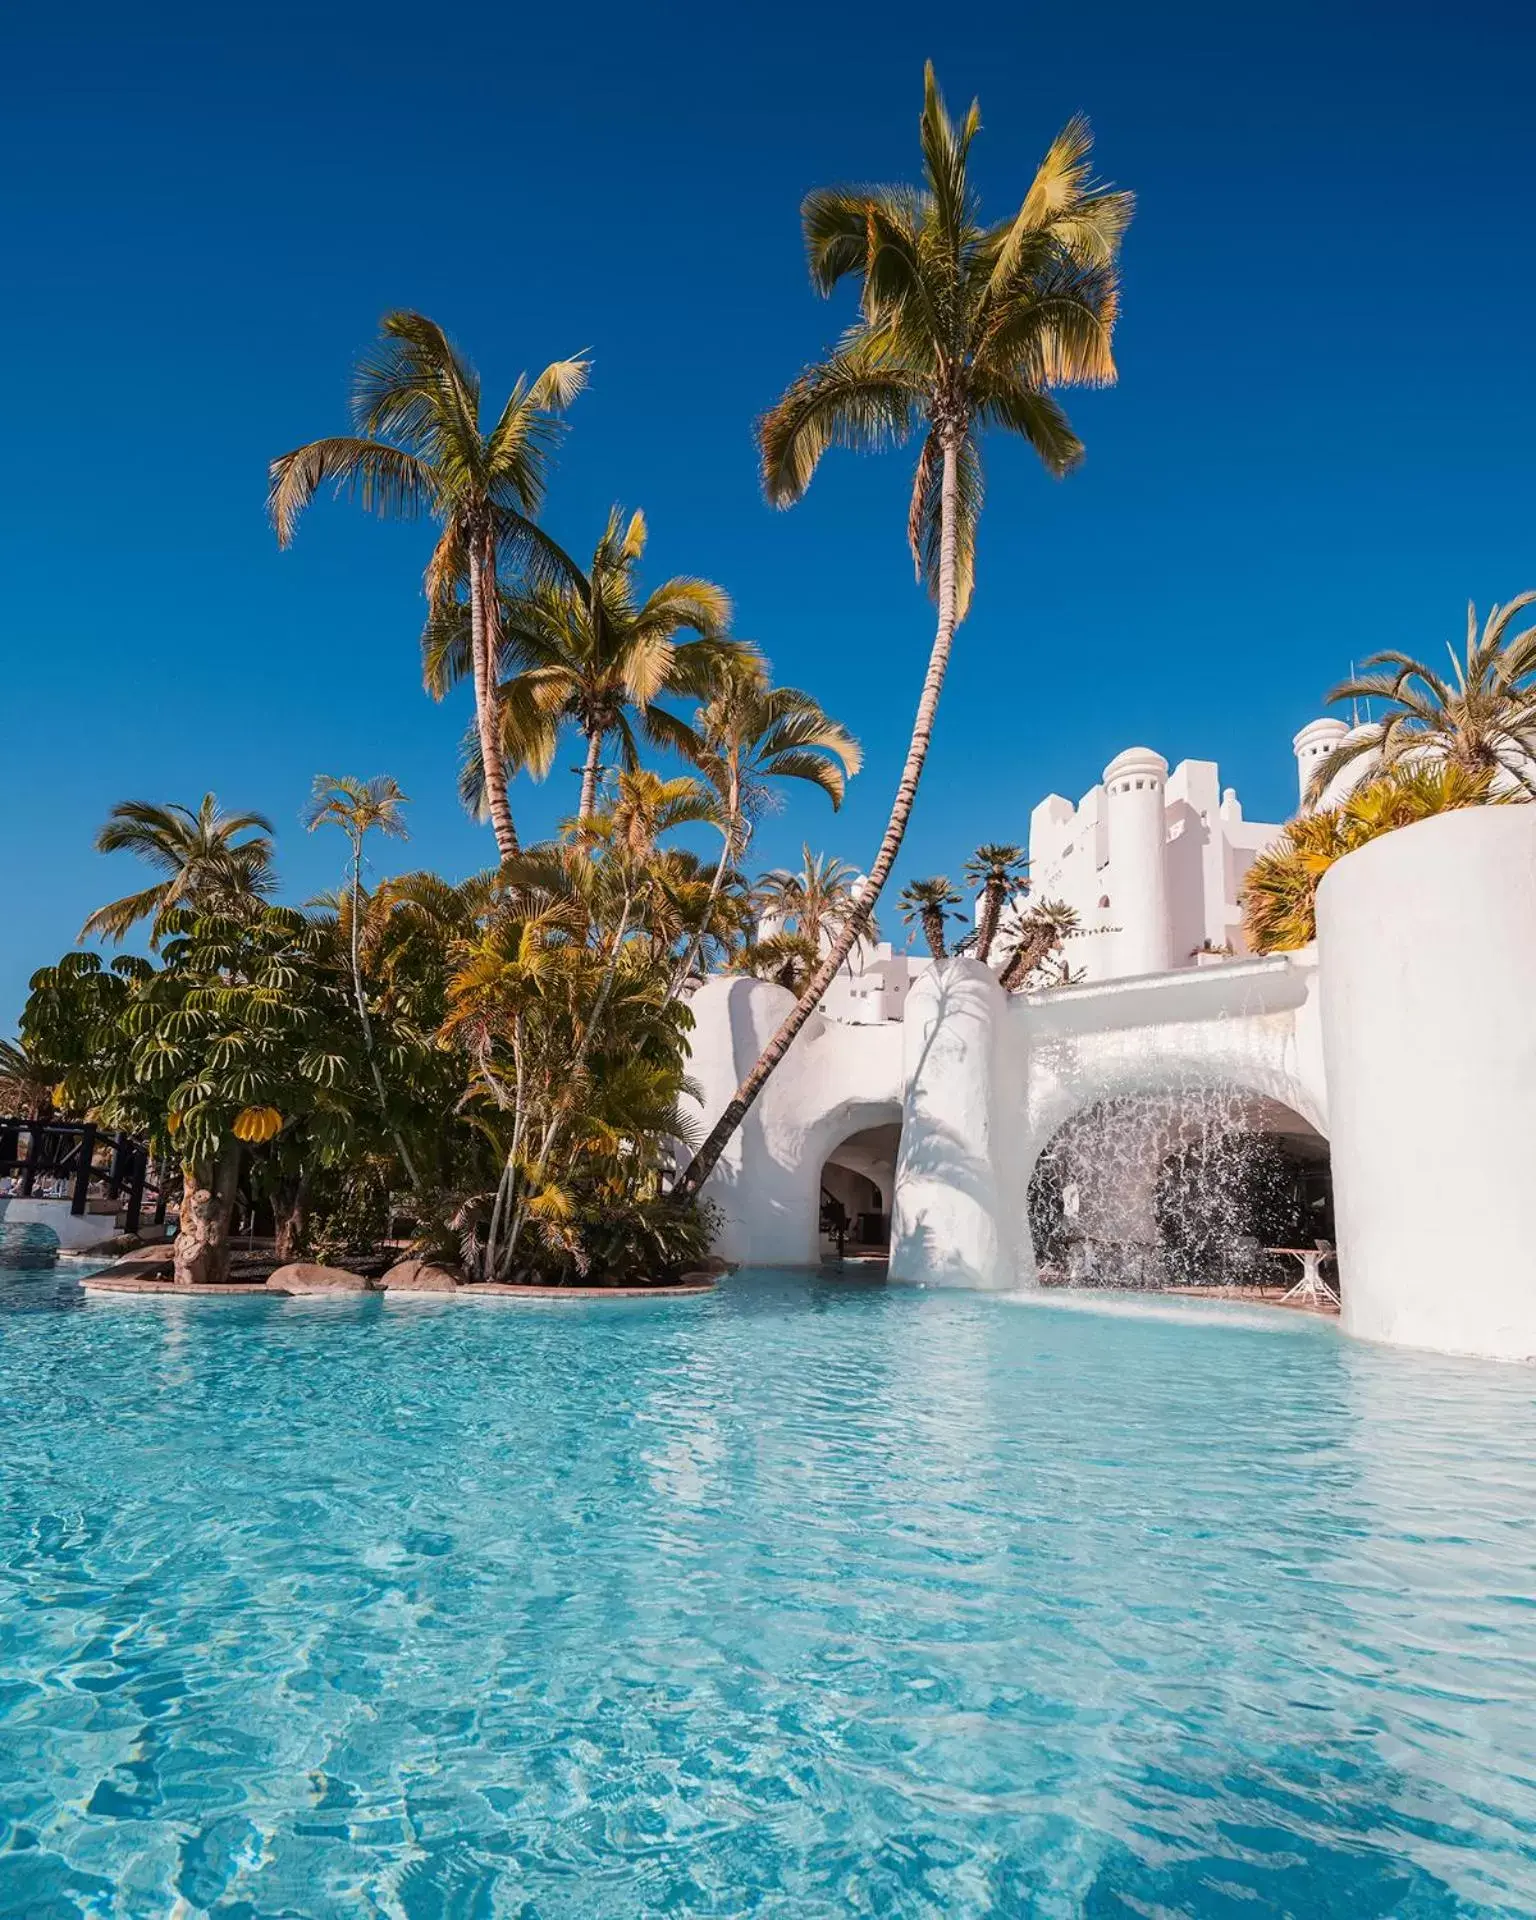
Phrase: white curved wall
(836, 1080)
(946, 1219)
(1427, 938)
(1253, 1025)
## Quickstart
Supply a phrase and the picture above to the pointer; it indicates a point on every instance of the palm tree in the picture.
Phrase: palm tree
(26, 1082)
(645, 806)
(419, 447)
(999, 870)
(587, 649)
(1482, 718)
(930, 903)
(961, 327)
(202, 855)
(1280, 890)
(746, 734)
(361, 807)
(1041, 933)
(817, 901)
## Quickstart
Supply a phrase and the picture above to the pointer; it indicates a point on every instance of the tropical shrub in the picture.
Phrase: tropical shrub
(1280, 892)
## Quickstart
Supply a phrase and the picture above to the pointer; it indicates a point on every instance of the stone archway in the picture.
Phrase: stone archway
(1187, 1185)
(857, 1185)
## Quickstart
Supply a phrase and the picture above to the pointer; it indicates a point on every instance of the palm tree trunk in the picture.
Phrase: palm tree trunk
(704, 1161)
(589, 773)
(362, 1013)
(991, 913)
(933, 929)
(483, 635)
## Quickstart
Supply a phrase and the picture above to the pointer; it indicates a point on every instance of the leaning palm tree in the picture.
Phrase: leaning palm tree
(1483, 718)
(1039, 936)
(998, 869)
(961, 327)
(203, 856)
(747, 734)
(590, 651)
(930, 904)
(361, 807)
(419, 447)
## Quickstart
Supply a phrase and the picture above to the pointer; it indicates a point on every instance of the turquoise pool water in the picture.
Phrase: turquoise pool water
(807, 1599)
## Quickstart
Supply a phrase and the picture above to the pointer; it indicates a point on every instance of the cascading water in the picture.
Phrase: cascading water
(1182, 1188)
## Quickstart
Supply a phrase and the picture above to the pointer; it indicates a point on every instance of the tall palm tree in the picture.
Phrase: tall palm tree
(745, 735)
(1482, 718)
(930, 904)
(999, 869)
(202, 855)
(961, 327)
(587, 649)
(361, 807)
(418, 446)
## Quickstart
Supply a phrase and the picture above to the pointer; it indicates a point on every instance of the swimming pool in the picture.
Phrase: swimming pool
(808, 1598)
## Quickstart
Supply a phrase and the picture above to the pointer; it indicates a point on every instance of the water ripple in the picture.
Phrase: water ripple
(797, 1600)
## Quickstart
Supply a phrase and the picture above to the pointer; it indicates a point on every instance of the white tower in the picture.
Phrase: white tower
(1135, 784)
(1312, 745)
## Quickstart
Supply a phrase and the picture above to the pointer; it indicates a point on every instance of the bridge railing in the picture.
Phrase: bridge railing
(76, 1160)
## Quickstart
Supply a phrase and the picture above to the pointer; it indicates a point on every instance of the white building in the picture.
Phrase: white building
(925, 1096)
(1152, 862)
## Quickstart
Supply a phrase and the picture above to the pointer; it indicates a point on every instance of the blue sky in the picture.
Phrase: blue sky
(1321, 442)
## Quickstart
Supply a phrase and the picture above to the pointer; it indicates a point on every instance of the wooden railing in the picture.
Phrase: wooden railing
(76, 1159)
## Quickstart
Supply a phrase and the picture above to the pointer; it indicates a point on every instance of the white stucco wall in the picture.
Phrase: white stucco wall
(73, 1231)
(1152, 861)
(1252, 1025)
(980, 1082)
(1426, 939)
(836, 1080)
(947, 1221)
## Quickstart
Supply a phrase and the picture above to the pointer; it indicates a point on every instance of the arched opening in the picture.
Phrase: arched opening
(1211, 1187)
(858, 1179)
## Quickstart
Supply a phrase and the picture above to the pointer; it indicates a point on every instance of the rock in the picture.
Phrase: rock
(419, 1276)
(300, 1276)
(119, 1243)
(144, 1263)
(712, 1267)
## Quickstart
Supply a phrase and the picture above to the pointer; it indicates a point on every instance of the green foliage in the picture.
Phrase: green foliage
(244, 1013)
(930, 904)
(961, 326)
(27, 1082)
(1481, 719)
(351, 1215)
(575, 1049)
(633, 1240)
(1280, 892)
(588, 650)
(72, 1023)
(207, 858)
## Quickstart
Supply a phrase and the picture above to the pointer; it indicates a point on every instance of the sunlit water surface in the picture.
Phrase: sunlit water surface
(811, 1598)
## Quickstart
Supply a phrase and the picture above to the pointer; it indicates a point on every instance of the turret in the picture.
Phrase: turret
(1135, 795)
(1312, 746)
